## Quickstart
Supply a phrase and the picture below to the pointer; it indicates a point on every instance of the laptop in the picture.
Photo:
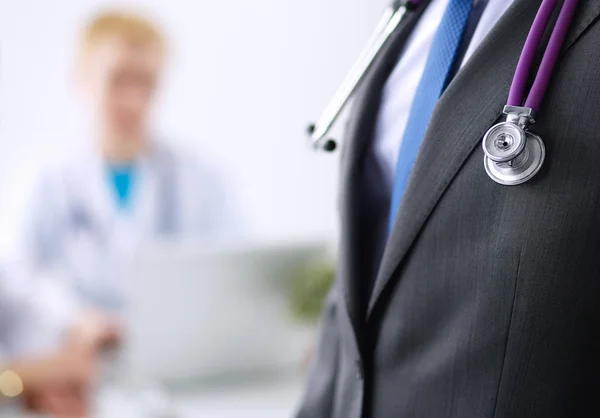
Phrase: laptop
(203, 313)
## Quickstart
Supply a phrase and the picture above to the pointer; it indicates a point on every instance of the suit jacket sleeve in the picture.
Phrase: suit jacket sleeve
(320, 389)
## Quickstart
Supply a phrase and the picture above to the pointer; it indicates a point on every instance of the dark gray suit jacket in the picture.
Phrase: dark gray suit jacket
(487, 300)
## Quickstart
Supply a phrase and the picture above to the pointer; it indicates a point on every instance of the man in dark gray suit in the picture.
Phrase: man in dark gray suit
(482, 300)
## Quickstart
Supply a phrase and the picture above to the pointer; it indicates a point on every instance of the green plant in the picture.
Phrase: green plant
(308, 290)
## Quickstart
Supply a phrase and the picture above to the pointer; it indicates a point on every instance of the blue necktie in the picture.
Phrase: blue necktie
(435, 78)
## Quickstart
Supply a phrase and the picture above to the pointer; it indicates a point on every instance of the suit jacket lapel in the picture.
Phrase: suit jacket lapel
(588, 13)
(469, 106)
(367, 99)
(358, 135)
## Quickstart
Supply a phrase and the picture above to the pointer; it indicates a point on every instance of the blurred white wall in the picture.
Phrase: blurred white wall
(245, 79)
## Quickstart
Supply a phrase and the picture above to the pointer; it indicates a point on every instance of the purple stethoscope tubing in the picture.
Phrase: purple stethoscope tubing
(513, 154)
(534, 39)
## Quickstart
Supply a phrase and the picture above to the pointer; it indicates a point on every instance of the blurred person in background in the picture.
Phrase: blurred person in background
(87, 214)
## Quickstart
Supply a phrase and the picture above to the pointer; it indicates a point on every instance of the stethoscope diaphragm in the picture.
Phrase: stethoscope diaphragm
(504, 142)
(523, 167)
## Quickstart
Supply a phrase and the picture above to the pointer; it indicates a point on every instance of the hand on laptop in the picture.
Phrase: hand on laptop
(58, 384)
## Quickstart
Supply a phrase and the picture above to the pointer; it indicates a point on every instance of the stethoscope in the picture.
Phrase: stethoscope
(513, 154)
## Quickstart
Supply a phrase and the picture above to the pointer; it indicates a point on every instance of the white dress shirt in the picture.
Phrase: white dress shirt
(401, 86)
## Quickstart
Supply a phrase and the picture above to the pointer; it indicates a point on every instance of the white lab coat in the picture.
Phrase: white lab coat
(70, 241)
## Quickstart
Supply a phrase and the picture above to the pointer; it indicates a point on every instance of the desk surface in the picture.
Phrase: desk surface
(267, 400)
(271, 399)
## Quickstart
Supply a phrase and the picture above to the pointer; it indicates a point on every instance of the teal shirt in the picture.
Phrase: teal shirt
(122, 181)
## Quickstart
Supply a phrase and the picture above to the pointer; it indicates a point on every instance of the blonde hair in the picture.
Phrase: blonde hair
(124, 25)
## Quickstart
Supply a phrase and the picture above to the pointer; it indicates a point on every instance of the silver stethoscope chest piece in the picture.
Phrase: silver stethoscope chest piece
(504, 142)
(513, 155)
(523, 167)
